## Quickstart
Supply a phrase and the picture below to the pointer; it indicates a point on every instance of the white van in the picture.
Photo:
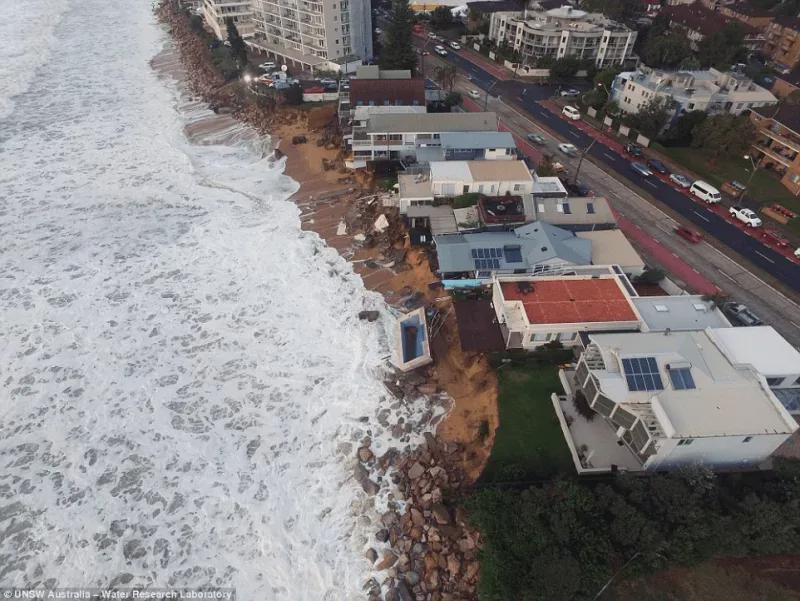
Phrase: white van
(705, 192)
(570, 112)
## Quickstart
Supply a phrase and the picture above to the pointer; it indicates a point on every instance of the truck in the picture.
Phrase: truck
(746, 216)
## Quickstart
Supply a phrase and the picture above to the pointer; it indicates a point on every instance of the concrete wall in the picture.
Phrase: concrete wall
(719, 452)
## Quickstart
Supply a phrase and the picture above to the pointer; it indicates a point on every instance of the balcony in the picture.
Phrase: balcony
(772, 154)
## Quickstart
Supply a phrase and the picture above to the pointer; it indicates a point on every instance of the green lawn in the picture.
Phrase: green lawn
(529, 442)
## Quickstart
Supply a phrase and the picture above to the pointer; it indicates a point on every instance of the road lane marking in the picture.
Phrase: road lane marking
(765, 256)
(572, 133)
(609, 156)
(727, 276)
(649, 183)
(703, 217)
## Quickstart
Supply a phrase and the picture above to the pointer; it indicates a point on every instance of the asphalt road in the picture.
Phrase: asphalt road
(760, 255)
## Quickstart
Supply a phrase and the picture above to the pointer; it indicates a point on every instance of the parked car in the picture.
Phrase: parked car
(568, 149)
(746, 216)
(680, 180)
(537, 139)
(431, 35)
(455, 45)
(570, 112)
(634, 150)
(658, 166)
(578, 189)
(570, 93)
(705, 191)
(440, 50)
(474, 94)
(327, 81)
(641, 169)
(267, 66)
(689, 235)
(740, 314)
(733, 188)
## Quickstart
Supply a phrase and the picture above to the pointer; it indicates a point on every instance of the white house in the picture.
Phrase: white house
(671, 399)
(492, 178)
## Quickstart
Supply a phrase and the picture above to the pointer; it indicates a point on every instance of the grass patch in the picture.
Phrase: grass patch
(529, 443)
(765, 187)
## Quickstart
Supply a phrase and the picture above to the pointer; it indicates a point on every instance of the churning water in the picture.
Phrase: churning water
(181, 367)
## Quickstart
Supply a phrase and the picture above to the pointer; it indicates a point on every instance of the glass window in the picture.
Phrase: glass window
(683, 442)
(774, 381)
(681, 378)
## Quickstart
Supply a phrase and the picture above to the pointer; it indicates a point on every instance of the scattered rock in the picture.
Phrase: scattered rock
(365, 455)
(389, 559)
(412, 578)
(416, 471)
(369, 315)
(440, 513)
(371, 555)
(382, 535)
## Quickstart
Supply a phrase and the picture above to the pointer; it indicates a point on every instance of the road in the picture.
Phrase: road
(609, 175)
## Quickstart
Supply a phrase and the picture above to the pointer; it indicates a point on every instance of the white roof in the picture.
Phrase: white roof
(450, 171)
(760, 346)
(362, 113)
(611, 247)
(728, 400)
(682, 312)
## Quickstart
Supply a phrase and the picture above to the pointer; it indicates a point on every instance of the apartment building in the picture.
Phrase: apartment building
(746, 13)
(312, 34)
(697, 22)
(711, 91)
(217, 12)
(410, 136)
(782, 43)
(669, 399)
(777, 145)
(564, 32)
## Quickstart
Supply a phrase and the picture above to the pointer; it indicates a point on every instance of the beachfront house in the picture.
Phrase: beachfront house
(575, 213)
(491, 178)
(410, 136)
(532, 248)
(667, 399)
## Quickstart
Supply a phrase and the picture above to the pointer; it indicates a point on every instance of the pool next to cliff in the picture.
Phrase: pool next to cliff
(413, 349)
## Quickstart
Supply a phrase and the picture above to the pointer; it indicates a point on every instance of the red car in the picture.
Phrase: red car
(688, 235)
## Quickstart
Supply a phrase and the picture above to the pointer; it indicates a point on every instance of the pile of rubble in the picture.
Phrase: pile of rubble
(427, 551)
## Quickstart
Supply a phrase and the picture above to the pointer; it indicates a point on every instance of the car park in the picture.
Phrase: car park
(658, 166)
(739, 314)
(455, 45)
(688, 235)
(680, 180)
(570, 93)
(568, 149)
(706, 192)
(570, 112)
(634, 150)
(746, 216)
(537, 139)
(474, 94)
(641, 169)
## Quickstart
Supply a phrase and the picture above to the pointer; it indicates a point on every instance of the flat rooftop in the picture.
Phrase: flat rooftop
(567, 300)
(683, 312)
(414, 186)
(501, 209)
(432, 123)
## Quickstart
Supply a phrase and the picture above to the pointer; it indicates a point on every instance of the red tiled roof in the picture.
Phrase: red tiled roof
(380, 92)
(697, 17)
(572, 301)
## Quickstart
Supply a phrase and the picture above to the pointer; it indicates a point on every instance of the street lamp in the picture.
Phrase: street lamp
(247, 78)
(755, 165)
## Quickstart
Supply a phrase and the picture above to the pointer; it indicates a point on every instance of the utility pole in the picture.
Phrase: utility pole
(488, 91)
(580, 161)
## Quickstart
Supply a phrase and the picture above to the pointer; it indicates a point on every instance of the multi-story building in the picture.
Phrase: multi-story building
(747, 13)
(564, 32)
(697, 22)
(783, 43)
(777, 145)
(312, 34)
(710, 91)
(411, 136)
(217, 12)
(669, 399)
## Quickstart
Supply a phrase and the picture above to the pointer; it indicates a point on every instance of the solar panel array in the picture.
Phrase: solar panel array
(487, 264)
(681, 378)
(487, 253)
(642, 374)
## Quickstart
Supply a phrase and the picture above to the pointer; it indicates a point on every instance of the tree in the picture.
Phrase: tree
(445, 76)
(652, 117)
(441, 18)
(680, 132)
(398, 51)
(665, 51)
(238, 47)
(722, 48)
(452, 99)
(724, 135)
(564, 67)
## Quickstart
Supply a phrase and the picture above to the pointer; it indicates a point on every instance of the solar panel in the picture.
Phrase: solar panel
(513, 254)
(474, 253)
(641, 373)
(681, 378)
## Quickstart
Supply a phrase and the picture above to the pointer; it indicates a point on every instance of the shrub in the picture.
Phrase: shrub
(582, 406)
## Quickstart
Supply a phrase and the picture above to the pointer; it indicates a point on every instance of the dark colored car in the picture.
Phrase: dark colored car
(641, 169)
(658, 166)
(634, 150)
(578, 189)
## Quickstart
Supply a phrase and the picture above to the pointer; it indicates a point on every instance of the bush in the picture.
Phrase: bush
(466, 200)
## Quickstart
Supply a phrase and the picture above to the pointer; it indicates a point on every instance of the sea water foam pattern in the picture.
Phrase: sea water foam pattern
(180, 365)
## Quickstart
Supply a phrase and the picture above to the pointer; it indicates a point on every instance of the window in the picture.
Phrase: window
(567, 336)
(691, 106)
(517, 187)
(772, 382)
(540, 337)
(590, 208)
(681, 378)
(685, 442)
(747, 439)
